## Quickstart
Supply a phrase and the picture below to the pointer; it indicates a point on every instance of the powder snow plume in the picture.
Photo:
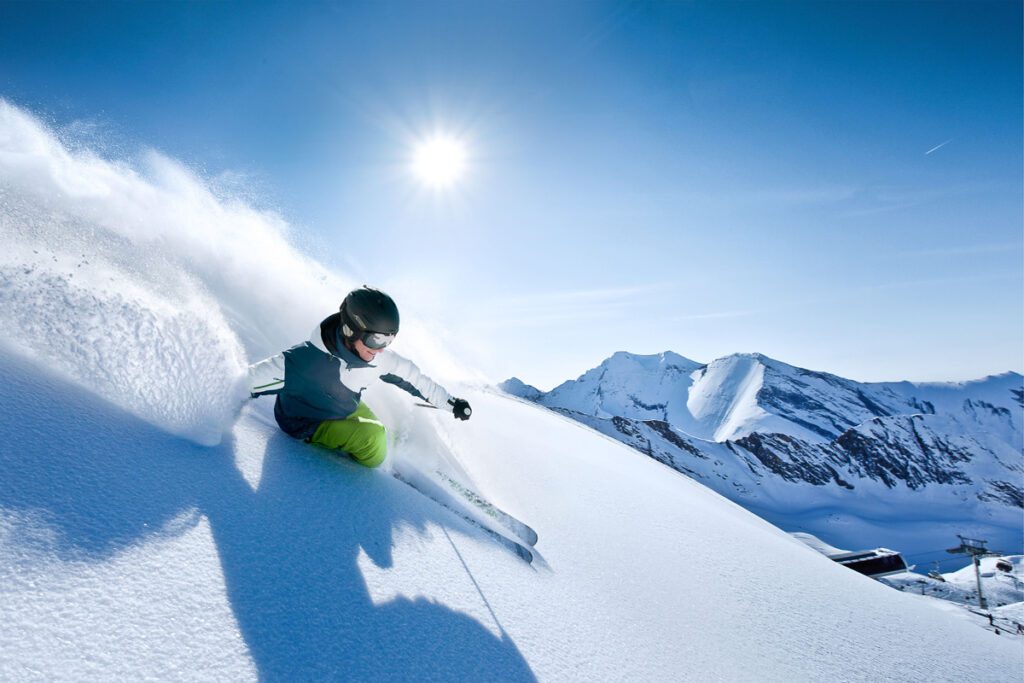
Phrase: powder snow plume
(138, 281)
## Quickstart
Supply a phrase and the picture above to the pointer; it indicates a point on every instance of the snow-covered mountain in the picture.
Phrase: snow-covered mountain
(860, 464)
(152, 527)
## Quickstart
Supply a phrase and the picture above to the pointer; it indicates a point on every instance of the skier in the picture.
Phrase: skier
(319, 383)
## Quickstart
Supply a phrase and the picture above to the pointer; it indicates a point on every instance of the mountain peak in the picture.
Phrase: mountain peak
(518, 387)
(751, 357)
(650, 361)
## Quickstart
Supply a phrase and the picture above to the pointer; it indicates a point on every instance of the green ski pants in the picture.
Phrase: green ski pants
(361, 435)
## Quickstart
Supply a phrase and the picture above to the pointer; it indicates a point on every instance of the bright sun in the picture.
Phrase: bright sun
(439, 161)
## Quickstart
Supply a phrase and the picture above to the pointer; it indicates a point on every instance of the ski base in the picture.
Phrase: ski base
(517, 528)
(518, 549)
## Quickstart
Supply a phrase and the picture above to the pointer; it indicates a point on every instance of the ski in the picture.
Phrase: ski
(517, 528)
(518, 549)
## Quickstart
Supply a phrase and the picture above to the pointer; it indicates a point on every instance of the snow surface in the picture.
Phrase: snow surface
(719, 401)
(1004, 593)
(901, 465)
(151, 528)
(1003, 590)
(812, 541)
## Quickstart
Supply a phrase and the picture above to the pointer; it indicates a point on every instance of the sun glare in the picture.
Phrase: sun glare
(439, 162)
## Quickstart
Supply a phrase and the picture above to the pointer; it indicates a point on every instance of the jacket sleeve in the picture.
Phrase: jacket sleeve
(403, 373)
(267, 376)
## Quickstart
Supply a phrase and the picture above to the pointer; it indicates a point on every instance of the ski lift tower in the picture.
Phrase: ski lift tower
(977, 550)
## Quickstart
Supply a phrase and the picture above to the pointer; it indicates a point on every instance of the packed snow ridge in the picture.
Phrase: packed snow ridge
(900, 464)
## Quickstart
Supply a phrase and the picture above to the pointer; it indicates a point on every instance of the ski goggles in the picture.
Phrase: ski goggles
(377, 340)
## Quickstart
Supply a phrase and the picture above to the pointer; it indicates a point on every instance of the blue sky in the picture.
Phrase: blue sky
(836, 185)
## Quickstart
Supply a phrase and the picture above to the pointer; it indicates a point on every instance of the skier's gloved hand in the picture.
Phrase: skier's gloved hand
(460, 408)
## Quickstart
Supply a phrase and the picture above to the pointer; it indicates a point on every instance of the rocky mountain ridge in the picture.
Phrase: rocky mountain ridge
(786, 441)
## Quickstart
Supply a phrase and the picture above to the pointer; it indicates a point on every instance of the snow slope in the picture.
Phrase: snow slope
(1001, 589)
(150, 527)
(902, 465)
(129, 553)
(738, 395)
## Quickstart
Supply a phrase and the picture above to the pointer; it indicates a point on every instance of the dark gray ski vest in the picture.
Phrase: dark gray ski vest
(313, 391)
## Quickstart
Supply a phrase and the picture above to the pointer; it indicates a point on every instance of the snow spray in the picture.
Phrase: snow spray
(140, 283)
(150, 286)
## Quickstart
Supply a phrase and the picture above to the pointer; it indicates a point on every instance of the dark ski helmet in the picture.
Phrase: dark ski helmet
(371, 315)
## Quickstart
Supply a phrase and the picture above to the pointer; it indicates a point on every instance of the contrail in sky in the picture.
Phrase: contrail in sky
(938, 146)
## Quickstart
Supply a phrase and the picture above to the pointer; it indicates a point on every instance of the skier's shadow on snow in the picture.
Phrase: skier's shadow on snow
(104, 481)
(289, 552)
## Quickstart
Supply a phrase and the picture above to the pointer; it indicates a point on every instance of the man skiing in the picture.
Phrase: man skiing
(319, 383)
